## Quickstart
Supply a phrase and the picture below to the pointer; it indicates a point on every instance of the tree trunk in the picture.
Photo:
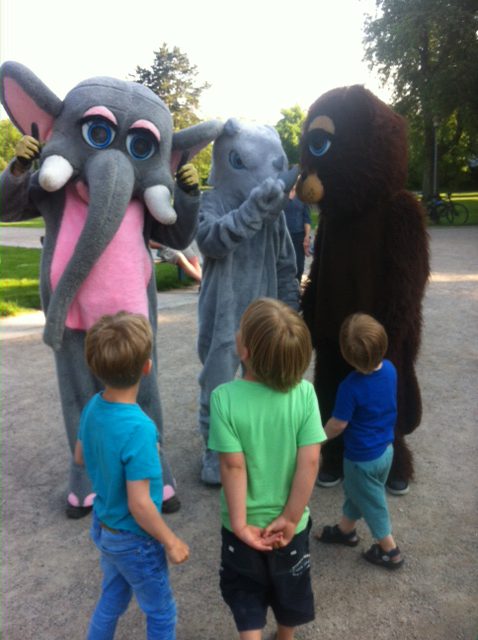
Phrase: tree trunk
(429, 162)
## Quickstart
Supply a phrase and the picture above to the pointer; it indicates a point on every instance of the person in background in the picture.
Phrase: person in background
(297, 216)
(366, 412)
(188, 259)
(267, 430)
(118, 443)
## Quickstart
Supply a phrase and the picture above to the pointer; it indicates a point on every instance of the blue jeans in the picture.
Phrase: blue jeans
(132, 563)
(364, 488)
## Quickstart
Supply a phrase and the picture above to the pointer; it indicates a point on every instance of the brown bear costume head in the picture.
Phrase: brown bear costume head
(353, 152)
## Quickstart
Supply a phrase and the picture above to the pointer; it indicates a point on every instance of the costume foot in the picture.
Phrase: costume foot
(328, 480)
(397, 487)
(387, 559)
(171, 505)
(333, 535)
(210, 473)
(75, 510)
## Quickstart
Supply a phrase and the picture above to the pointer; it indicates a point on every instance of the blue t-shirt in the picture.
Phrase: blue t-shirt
(296, 215)
(120, 443)
(368, 402)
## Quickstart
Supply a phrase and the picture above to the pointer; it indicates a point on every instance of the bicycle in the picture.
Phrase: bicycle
(453, 212)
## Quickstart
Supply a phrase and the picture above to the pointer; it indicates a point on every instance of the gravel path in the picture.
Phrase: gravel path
(51, 577)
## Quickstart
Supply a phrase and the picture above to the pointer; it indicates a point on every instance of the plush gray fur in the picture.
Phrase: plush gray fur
(247, 251)
(113, 177)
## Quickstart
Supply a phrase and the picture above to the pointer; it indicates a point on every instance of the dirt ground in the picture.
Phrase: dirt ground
(51, 577)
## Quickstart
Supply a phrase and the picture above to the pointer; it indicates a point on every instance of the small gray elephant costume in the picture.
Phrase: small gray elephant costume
(247, 249)
(104, 188)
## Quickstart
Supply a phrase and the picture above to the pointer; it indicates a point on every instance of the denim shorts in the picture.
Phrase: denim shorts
(251, 581)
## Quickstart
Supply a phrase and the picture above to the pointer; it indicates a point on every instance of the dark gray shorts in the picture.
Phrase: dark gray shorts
(251, 581)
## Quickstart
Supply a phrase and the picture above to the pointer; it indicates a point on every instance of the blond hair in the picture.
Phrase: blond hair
(117, 348)
(278, 343)
(363, 342)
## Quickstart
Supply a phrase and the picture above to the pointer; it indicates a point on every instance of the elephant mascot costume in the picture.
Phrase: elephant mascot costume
(371, 253)
(104, 188)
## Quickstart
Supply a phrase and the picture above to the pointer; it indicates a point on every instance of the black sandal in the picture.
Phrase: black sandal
(333, 535)
(388, 559)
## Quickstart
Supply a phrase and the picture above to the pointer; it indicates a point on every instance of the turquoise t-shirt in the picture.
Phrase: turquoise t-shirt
(120, 443)
(268, 427)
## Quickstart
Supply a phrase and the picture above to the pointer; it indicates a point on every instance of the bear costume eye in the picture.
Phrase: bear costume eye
(235, 160)
(320, 142)
(98, 132)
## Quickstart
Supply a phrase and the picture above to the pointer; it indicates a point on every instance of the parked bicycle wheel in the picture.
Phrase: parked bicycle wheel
(438, 211)
(457, 213)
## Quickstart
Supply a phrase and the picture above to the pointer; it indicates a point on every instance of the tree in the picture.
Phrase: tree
(172, 78)
(9, 136)
(428, 50)
(289, 129)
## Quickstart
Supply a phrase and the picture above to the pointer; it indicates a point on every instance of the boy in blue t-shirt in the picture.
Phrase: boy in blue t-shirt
(118, 443)
(366, 412)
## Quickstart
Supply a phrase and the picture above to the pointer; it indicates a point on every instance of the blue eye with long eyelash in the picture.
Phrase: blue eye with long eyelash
(141, 144)
(98, 133)
(319, 142)
(235, 160)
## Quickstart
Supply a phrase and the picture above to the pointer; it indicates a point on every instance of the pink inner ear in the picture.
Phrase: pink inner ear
(25, 110)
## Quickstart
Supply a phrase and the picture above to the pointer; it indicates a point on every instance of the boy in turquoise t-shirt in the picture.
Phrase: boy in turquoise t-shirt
(118, 443)
(267, 430)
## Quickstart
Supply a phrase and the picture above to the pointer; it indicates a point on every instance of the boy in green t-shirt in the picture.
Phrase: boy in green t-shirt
(267, 430)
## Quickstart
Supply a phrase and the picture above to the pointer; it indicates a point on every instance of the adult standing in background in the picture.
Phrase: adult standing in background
(298, 222)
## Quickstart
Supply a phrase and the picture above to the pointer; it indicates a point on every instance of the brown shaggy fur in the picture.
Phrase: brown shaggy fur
(371, 253)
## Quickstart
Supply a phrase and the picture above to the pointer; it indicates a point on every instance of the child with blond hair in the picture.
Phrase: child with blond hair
(267, 430)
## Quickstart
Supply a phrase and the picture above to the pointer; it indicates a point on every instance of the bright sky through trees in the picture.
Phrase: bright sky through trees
(260, 56)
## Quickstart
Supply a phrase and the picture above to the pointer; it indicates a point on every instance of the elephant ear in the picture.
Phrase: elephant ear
(188, 142)
(27, 100)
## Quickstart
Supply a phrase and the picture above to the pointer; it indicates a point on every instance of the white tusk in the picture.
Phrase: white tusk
(55, 173)
(158, 201)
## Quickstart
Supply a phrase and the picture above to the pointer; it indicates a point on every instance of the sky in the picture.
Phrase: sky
(260, 56)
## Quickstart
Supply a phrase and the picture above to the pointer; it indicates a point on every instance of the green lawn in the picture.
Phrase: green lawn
(19, 273)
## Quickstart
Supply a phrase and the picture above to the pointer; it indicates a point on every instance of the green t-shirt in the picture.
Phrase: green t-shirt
(268, 427)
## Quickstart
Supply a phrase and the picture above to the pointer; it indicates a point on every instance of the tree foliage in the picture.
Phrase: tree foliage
(289, 129)
(173, 79)
(428, 50)
(9, 136)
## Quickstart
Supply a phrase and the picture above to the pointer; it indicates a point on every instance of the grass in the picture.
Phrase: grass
(37, 223)
(470, 200)
(19, 280)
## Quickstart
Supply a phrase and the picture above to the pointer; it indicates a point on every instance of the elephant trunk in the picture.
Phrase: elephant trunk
(110, 180)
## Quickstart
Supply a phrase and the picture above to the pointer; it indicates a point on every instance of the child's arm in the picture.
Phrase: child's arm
(146, 514)
(78, 454)
(334, 427)
(303, 482)
(234, 483)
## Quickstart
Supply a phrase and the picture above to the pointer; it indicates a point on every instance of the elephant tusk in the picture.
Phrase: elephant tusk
(158, 201)
(55, 173)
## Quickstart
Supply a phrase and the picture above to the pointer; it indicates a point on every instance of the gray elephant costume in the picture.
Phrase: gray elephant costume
(104, 189)
(247, 249)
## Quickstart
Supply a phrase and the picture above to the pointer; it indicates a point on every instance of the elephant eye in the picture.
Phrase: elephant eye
(235, 160)
(98, 132)
(319, 142)
(141, 144)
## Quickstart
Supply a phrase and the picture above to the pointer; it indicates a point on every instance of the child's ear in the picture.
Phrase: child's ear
(148, 365)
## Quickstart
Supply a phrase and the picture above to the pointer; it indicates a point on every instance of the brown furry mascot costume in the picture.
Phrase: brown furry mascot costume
(371, 252)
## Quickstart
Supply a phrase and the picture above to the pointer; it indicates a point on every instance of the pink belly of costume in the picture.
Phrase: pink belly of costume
(118, 280)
